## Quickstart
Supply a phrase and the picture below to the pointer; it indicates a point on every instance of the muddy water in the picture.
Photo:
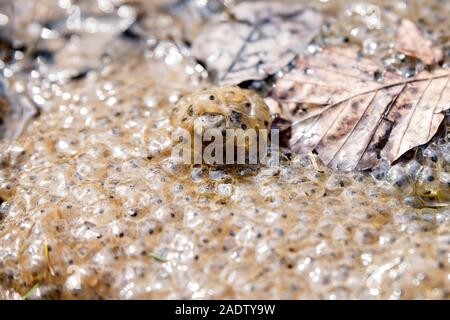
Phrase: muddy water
(92, 207)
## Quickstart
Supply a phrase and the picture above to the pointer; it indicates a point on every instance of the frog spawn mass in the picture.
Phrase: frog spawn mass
(223, 109)
(87, 185)
(423, 180)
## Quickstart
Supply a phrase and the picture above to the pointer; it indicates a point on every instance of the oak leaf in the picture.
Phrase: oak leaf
(262, 38)
(350, 112)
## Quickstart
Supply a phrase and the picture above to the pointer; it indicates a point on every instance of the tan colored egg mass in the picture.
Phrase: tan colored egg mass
(93, 206)
(91, 182)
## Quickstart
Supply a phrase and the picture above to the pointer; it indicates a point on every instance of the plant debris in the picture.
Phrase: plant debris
(30, 292)
(263, 38)
(411, 42)
(347, 115)
(157, 257)
(49, 265)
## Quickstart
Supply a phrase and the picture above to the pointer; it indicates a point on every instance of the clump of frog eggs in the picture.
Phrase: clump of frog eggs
(198, 219)
(179, 213)
(424, 179)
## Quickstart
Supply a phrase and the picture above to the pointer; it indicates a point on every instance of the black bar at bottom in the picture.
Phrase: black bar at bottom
(218, 309)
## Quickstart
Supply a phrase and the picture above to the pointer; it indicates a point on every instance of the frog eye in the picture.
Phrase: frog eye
(235, 117)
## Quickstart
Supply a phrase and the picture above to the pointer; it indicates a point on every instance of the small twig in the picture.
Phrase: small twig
(312, 156)
(435, 204)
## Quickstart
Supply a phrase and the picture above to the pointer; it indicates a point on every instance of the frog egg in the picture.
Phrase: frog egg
(366, 235)
(427, 182)
(337, 182)
(221, 108)
(442, 217)
(414, 201)
(97, 151)
(445, 151)
(399, 179)
(412, 168)
(444, 186)
(432, 156)
(197, 174)
(380, 172)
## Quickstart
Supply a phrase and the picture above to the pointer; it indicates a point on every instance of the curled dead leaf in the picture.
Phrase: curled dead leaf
(410, 41)
(264, 37)
(350, 113)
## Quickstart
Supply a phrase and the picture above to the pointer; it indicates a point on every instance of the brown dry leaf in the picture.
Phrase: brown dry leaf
(264, 37)
(411, 42)
(346, 111)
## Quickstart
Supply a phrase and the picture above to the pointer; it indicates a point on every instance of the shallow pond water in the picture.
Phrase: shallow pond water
(92, 206)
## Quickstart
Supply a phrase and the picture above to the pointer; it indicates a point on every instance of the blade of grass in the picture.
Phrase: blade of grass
(52, 272)
(30, 292)
(157, 257)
